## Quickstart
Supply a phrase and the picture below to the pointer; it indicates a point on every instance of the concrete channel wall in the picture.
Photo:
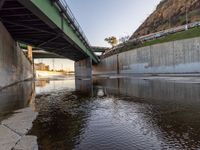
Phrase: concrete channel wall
(175, 57)
(14, 65)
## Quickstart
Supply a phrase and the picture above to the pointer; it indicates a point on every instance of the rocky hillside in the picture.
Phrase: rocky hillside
(170, 13)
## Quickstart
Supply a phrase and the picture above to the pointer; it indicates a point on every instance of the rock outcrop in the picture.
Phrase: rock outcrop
(168, 14)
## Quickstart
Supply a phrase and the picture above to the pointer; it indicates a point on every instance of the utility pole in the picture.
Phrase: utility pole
(53, 64)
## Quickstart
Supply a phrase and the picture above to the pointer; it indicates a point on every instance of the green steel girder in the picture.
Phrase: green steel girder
(50, 13)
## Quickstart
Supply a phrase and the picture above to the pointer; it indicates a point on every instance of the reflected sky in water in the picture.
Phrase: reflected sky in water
(123, 114)
(46, 85)
(118, 114)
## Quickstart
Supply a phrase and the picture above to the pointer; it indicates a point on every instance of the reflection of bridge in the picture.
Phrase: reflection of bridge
(46, 24)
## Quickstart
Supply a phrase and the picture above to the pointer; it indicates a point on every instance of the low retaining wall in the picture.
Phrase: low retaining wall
(173, 57)
(14, 65)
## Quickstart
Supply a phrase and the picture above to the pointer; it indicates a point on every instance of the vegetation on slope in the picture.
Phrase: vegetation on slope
(169, 14)
(191, 33)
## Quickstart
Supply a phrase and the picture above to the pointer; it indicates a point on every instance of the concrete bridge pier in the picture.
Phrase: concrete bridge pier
(83, 68)
(83, 76)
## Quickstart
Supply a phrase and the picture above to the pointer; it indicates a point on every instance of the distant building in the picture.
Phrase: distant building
(41, 67)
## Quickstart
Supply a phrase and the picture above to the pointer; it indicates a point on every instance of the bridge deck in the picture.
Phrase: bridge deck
(41, 24)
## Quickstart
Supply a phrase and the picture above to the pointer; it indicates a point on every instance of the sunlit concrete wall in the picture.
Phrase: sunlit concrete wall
(14, 66)
(173, 57)
(106, 66)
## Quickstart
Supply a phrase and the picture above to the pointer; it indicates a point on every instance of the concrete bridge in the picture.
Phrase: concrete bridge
(48, 25)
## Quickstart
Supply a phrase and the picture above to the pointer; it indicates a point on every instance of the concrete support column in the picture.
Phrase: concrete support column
(83, 68)
(83, 76)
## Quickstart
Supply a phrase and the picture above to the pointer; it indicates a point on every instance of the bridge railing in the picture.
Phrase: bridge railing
(67, 11)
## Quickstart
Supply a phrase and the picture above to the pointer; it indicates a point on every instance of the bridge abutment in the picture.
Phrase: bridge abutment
(14, 65)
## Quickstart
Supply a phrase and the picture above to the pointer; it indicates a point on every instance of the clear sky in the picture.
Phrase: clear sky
(103, 18)
(57, 64)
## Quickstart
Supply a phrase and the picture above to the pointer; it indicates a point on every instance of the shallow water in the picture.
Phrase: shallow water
(119, 114)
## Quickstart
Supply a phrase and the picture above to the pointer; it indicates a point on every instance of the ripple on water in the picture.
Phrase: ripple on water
(69, 120)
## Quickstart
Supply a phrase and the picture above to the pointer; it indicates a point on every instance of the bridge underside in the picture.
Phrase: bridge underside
(26, 24)
(38, 54)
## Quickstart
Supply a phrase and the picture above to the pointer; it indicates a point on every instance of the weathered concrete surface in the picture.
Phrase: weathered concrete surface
(27, 143)
(84, 86)
(83, 68)
(8, 138)
(14, 129)
(173, 57)
(106, 66)
(14, 66)
(83, 76)
(21, 122)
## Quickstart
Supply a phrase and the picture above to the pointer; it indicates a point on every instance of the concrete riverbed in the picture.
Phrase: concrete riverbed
(116, 112)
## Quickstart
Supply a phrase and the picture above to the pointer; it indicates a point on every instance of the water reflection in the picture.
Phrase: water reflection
(85, 86)
(172, 114)
(121, 114)
(16, 97)
(61, 121)
(153, 90)
(50, 85)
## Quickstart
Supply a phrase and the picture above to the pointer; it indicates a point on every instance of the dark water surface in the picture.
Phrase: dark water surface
(112, 114)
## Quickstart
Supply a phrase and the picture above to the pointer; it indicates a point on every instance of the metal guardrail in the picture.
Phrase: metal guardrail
(67, 11)
(63, 6)
(165, 32)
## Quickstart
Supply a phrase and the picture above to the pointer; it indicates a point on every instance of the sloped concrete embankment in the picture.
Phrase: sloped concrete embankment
(14, 65)
(13, 131)
(178, 57)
